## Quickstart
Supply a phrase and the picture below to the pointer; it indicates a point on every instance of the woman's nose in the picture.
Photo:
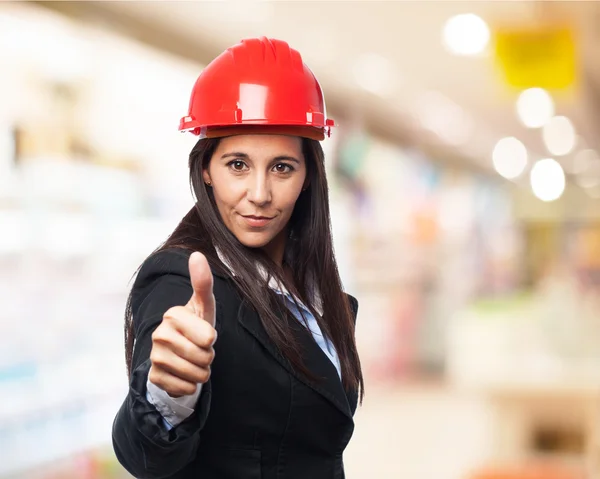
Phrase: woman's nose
(259, 189)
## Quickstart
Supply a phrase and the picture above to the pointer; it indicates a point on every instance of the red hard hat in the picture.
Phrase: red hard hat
(259, 82)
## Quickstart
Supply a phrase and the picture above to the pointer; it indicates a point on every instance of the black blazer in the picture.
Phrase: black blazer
(256, 418)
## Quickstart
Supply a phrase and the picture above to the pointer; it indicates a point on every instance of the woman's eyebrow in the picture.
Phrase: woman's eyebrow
(286, 157)
(239, 154)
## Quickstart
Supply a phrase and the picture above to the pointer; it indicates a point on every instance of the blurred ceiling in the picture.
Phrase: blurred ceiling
(398, 43)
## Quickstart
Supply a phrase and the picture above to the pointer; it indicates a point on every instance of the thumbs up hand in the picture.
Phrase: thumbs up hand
(182, 345)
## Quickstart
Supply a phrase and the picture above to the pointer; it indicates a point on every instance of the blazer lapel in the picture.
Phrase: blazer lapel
(329, 384)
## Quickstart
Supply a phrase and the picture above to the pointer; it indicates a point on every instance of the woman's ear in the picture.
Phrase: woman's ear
(206, 176)
(306, 183)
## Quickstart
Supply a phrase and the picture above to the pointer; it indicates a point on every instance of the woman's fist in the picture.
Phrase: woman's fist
(182, 345)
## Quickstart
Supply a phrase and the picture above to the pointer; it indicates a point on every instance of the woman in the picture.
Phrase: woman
(240, 341)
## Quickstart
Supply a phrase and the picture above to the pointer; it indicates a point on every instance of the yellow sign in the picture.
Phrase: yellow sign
(542, 57)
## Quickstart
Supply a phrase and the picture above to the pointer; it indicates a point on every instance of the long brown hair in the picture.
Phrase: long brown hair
(309, 256)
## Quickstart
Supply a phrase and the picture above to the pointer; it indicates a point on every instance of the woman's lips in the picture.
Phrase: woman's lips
(257, 221)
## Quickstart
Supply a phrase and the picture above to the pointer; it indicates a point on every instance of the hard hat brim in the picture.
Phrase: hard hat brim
(288, 130)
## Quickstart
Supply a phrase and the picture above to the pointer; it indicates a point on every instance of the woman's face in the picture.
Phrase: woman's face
(256, 180)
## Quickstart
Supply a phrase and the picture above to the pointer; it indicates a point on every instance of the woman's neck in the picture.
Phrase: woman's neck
(275, 249)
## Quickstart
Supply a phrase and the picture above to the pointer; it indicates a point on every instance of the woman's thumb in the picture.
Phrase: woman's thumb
(202, 300)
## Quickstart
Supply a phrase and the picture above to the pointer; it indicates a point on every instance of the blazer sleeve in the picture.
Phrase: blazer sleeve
(142, 444)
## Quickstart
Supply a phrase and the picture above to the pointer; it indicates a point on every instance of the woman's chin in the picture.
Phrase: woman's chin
(254, 240)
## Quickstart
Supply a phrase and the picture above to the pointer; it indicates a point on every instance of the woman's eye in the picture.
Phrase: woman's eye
(283, 168)
(237, 165)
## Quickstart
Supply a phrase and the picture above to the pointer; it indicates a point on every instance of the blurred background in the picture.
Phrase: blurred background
(465, 189)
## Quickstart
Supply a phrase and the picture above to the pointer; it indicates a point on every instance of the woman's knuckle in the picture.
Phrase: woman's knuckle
(210, 337)
(158, 335)
(205, 374)
(211, 355)
(157, 358)
(184, 389)
(190, 389)
(154, 377)
(174, 391)
(203, 361)
(172, 314)
(188, 350)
